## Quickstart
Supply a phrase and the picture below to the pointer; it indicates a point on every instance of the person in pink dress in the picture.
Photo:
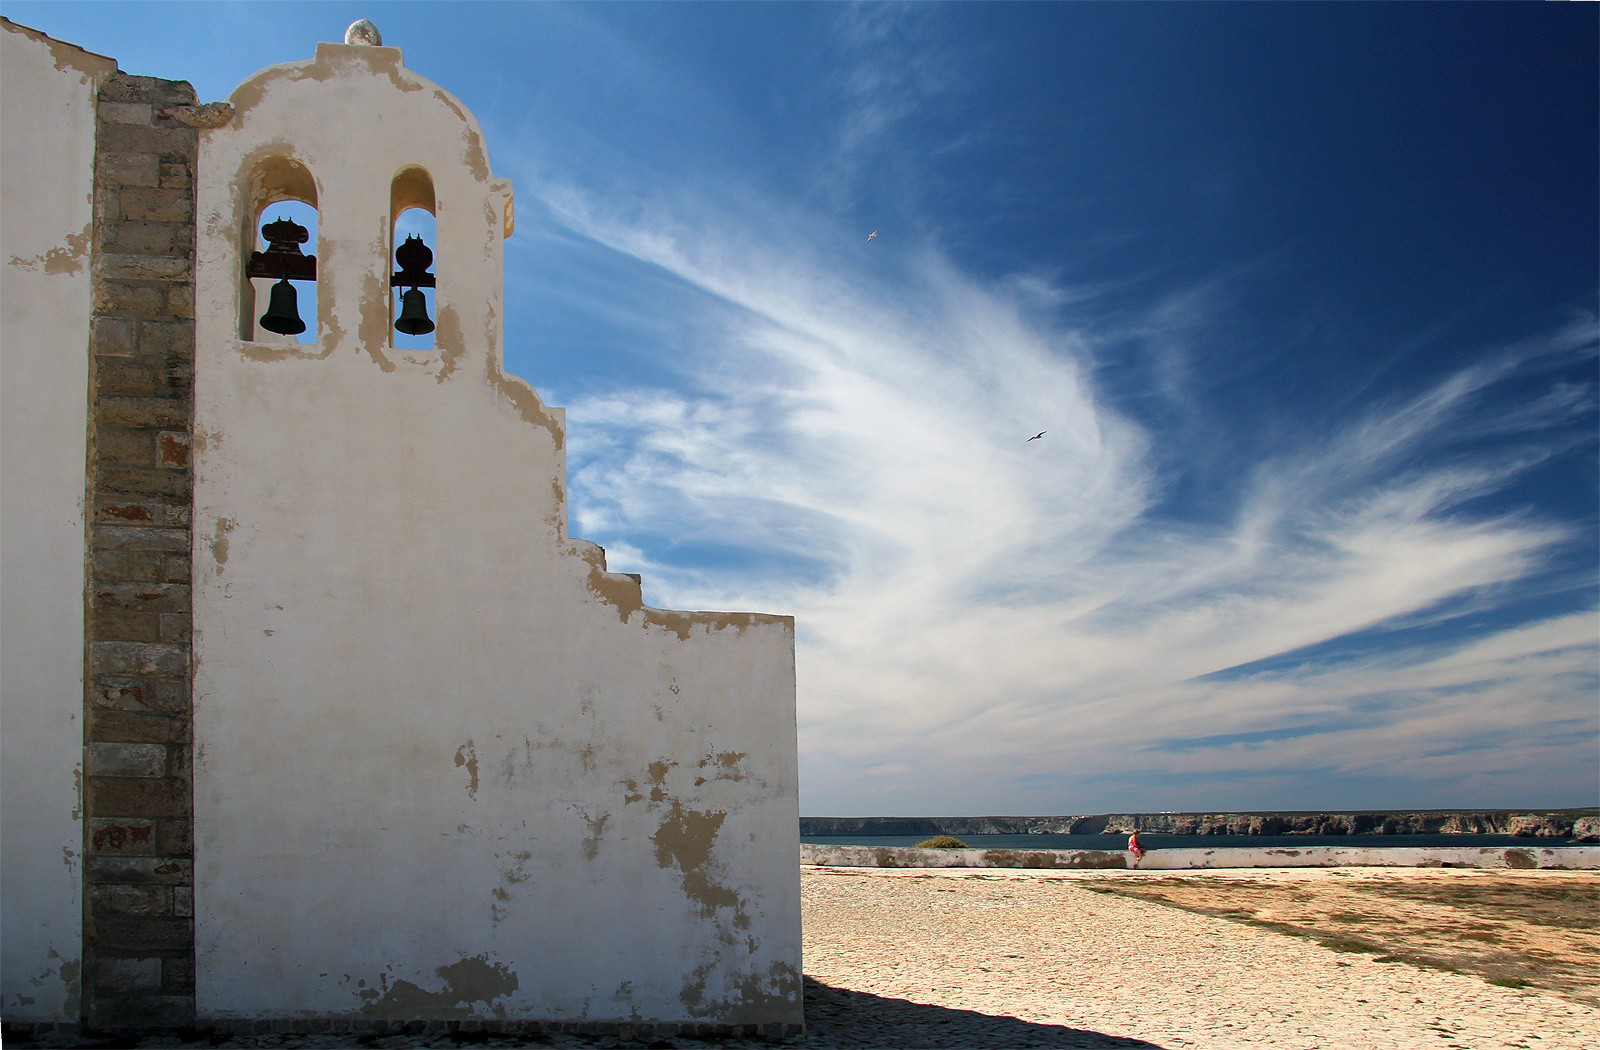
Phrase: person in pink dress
(1136, 848)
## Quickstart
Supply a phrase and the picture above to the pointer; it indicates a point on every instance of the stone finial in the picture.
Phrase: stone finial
(362, 31)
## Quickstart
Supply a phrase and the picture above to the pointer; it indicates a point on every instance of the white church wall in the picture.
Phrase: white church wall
(446, 764)
(47, 137)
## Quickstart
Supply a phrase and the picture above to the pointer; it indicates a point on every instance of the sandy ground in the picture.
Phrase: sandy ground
(996, 957)
(1307, 958)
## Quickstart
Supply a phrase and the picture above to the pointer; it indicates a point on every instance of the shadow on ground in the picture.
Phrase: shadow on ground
(835, 1017)
(841, 1017)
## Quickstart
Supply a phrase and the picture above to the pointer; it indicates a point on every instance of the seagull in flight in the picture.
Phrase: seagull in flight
(871, 235)
(1037, 436)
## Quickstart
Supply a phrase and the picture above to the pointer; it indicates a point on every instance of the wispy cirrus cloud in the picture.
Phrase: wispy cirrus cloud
(987, 623)
(994, 622)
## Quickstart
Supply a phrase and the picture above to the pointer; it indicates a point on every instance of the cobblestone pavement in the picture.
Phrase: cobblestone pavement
(1046, 950)
(994, 958)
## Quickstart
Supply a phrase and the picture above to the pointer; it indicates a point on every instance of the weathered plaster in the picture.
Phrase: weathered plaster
(66, 258)
(448, 341)
(66, 58)
(436, 733)
(525, 400)
(467, 982)
(467, 758)
(373, 330)
(412, 187)
(219, 543)
(47, 137)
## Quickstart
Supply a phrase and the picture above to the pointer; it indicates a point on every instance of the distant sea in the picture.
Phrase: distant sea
(1153, 841)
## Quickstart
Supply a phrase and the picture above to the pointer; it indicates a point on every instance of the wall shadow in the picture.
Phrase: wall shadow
(842, 1017)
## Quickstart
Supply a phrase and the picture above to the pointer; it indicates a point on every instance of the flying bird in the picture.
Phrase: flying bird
(871, 235)
(1037, 436)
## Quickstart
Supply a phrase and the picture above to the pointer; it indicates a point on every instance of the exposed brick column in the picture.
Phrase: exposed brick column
(138, 926)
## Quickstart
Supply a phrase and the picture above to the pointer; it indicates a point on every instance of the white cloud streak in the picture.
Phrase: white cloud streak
(985, 606)
(991, 624)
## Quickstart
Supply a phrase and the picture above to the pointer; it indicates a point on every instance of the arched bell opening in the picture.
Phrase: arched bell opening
(412, 306)
(278, 294)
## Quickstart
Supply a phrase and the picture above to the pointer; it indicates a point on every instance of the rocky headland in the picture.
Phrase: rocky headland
(1579, 825)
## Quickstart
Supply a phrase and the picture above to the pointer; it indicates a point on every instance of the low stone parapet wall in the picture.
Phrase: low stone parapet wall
(1568, 857)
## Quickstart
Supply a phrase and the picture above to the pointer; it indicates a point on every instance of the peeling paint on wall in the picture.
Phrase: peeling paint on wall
(219, 542)
(373, 329)
(72, 985)
(68, 57)
(516, 873)
(448, 341)
(470, 981)
(557, 518)
(622, 592)
(683, 839)
(524, 400)
(597, 827)
(202, 442)
(724, 766)
(474, 156)
(67, 259)
(331, 59)
(60, 970)
(746, 996)
(467, 755)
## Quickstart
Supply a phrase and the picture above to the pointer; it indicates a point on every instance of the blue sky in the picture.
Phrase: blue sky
(1303, 296)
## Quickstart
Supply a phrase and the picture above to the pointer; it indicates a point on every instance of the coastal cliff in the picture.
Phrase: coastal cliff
(1578, 824)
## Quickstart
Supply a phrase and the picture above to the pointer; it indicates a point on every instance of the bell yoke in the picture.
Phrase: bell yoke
(284, 260)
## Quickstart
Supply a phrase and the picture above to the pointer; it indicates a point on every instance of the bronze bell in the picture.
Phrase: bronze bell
(414, 259)
(413, 314)
(283, 311)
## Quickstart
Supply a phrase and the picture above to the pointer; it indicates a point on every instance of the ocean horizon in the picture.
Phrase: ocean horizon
(1155, 840)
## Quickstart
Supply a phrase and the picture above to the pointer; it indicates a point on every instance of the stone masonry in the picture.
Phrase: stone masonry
(139, 886)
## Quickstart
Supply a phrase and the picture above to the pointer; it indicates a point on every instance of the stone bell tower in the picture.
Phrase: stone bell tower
(447, 769)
